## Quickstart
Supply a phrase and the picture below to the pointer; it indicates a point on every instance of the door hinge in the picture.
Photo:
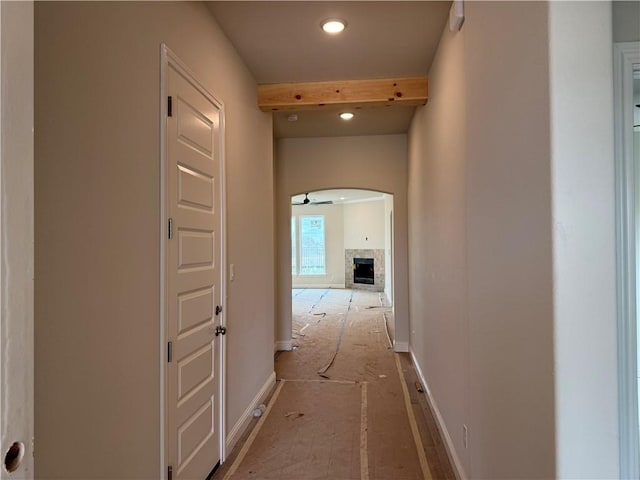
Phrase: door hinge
(169, 472)
(169, 107)
(170, 352)
(170, 228)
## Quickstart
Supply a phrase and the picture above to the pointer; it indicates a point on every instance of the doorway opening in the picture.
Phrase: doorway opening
(341, 241)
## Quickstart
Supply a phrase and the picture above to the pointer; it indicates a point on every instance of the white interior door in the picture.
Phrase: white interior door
(193, 275)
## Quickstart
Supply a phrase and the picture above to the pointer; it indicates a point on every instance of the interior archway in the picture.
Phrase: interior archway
(341, 239)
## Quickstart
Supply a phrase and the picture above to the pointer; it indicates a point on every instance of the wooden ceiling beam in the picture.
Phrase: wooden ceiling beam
(343, 93)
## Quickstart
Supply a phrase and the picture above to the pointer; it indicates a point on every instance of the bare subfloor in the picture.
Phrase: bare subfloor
(345, 407)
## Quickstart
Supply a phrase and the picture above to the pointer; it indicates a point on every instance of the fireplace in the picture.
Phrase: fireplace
(358, 265)
(363, 271)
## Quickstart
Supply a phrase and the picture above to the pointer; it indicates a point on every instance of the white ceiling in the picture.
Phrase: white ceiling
(282, 42)
(340, 196)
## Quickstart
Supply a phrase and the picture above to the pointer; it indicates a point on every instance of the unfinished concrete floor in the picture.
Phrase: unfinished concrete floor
(341, 409)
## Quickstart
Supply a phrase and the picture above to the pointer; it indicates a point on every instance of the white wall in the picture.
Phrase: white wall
(97, 180)
(16, 242)
(509, 249)
(359, 225)
(368, 163)
(364, 225)
(582, 169)
(334, 246)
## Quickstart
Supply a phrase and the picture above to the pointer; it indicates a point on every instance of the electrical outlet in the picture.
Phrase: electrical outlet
(465, 435)
(232, 272)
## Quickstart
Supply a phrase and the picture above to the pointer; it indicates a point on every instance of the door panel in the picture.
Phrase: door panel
(195, 189)
(195, 432)
(194, 128)
(195, 371)
(193, 277)
(195, 249)
(194, 309)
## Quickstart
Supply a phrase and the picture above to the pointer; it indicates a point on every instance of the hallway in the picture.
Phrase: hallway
(505, 264)
(339, 409)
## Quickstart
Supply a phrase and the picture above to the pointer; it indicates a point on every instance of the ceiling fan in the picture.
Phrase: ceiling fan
(306, 201)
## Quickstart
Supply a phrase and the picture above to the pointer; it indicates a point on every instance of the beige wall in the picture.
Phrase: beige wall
(437, 239)
(334, 246)
(97, 73)
(626, 21)
(369, 163)
(480, 243)
(509, 267)
(364, 225)
(511, 241)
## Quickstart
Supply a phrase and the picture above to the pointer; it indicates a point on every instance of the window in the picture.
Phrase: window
(310, 248)
(312, 258)
(294, 252)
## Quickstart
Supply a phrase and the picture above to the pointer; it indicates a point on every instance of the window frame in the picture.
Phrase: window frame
(296, 269)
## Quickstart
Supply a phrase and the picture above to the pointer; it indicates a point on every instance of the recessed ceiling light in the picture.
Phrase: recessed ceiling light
(333, 26)
(346, 115)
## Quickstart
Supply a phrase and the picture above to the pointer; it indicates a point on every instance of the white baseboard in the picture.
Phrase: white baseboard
(400, 346)
(242, 423)
(451, 451)
(281, 345)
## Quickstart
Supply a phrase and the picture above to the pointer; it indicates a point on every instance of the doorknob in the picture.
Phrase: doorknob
(220, 330)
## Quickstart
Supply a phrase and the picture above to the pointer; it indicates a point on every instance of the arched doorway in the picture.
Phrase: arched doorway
(341, 239)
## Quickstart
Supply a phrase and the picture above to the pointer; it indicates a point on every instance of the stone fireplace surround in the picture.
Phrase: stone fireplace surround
(378, 269)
